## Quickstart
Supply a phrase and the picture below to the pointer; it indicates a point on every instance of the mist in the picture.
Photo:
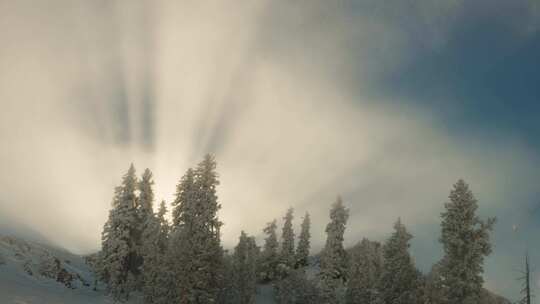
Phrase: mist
(280, 92)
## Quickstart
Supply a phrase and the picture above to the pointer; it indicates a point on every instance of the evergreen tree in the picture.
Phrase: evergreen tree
(206, 182)
(118, 258)
(146, 226)
(244, 272)
(364, 273)
(184, 203)
(227, 295)
(183, 224)
(333, 256)
(400, 281)
(302, 251)
(466, 241)
(434, 289)
(287, 243)
(146, 197)
(297, 289)
(269, 257)
(196, 256)
(155, 268)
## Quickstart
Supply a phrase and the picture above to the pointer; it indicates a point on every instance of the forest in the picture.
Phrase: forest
(181, 259)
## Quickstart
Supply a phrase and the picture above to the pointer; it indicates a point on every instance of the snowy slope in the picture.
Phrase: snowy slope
(28, 275)
(32, 273)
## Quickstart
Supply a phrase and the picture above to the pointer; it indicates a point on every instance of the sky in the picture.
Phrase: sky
(386, 103)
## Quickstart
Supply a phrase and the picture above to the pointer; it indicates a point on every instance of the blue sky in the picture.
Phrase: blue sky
(487, 69)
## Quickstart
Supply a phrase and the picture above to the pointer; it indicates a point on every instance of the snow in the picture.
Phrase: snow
(19, 258)
(19, 287)
(265, 294)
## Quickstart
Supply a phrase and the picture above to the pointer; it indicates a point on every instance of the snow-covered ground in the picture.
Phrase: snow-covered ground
(30, 274)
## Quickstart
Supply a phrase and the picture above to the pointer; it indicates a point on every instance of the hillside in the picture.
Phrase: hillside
(33, 273)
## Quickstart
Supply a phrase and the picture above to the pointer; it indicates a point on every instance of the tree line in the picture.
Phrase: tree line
(183, 261)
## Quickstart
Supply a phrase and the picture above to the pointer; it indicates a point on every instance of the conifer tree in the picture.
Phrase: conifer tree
(146, 218)
(244, 272)
(269, 258)
(333, 256)
(466, 241)
(195, 255)
(365, 270)
(146, 197)
(400, 281)
(183, 224)
(185, 202)
(302, 251)
(287, 243)
(119, 249)
(206, 182)
(434, 288)
(297, 289)
(155, 268)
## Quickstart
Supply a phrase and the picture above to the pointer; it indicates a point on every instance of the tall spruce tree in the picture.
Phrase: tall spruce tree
(146, 226)
(302, 251)
(179, 253)
(269, 257)
(364, 273)
(155, 268)
(118, 257)
(466, 241)
(244, 272)
(146, 197)
(287, 243)
(401, 282)
(333, 256)
(196, 254)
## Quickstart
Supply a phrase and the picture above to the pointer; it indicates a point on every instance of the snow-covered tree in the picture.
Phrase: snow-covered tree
(206, 182)
(146, 197)
(364, 273)
(287, 258)
(400, 281)
(297, 289)
(184, 204)
(119, 256)
(183, 223)
(270, 257)
(434, 288)
(302, 251)
(146, 218)
(196, 255)
(466, 241)
(155, 268)
(333, 256)
(244, 272)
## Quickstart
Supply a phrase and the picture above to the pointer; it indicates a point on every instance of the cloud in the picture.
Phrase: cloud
(273, 88)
